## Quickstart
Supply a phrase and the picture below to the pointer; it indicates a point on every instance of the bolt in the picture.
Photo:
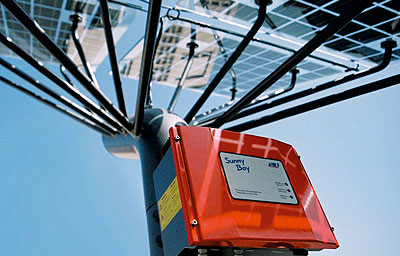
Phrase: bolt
(177, 138)
(193, 223)
(201, 252)
(333, 229)
(159, 241)
(156, 216)
(238, 252)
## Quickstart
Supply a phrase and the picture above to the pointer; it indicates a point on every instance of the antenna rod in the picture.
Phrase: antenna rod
(325, 101)
(35, 29)
(229, 63)
(112, 55)
(56, 107)
(355, 7)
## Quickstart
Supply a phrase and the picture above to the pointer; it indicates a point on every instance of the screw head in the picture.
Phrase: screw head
(193, 223)
(177, 138)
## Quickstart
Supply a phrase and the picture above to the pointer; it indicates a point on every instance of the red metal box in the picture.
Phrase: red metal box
(239, 190)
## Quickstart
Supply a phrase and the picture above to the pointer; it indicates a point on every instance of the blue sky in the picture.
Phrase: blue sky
(62, 193)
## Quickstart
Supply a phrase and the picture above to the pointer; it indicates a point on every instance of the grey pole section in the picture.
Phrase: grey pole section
(149, 144)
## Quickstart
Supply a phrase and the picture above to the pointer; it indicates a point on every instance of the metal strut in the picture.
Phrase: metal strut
(229, 63)
(76, 19)
(56, 107)
(294, 72)
(325, 101)
(221, 48)
(112, 55)
(192, 46)
(355, 8)
(147, 62)
(88, 115)
(388, 45)
(35, 29)
(61, 83)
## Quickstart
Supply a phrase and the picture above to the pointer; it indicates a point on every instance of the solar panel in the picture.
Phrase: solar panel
(288, 26)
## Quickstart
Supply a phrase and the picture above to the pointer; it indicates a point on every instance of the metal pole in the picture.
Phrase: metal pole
(156, 124)
(210, 119)
(64, 85)
(88, 115)
(229, 63)
(35, 29)
(388, 45)
(147, 62)
(325, 101)
(204, 3)
(76, 18)
(56, 107)
(112, 55)
(192, 46)
(355, 7)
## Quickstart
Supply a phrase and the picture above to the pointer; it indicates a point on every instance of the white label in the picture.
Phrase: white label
(257, 179)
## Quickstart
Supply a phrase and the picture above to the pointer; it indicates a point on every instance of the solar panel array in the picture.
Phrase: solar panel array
(287, 21)
(288, 26)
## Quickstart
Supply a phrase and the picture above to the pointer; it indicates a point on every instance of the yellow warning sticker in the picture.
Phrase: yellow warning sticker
(169, 204)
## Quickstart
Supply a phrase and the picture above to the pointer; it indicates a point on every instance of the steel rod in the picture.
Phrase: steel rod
(209, 112)
(206, 25)
(83, 112)
(210, 119)
(222, 51)
(34, 28)
(112, 55)
(355, 7)
(76, 18)
(147, 63)
(192, 46)
(325, 101)
(56, 107)
(229, 63)
(149, 98)
(387, 45)
(61, 83)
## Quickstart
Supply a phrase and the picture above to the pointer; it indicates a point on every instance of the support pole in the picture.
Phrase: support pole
(156, 124)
